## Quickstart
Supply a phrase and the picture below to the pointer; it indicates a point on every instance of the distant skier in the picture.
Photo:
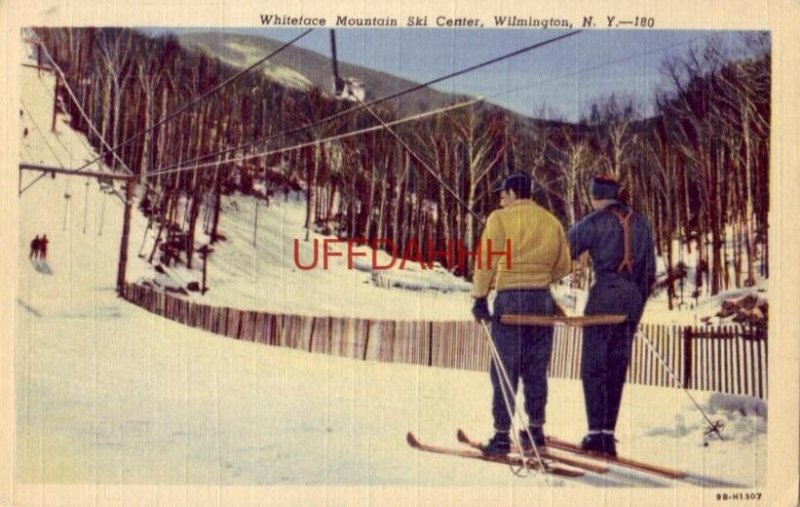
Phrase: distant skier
(43, 247)
(35, 246)
(538, 255)
(620, 244)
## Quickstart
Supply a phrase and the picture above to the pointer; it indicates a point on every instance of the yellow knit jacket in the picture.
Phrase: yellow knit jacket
(528, 249)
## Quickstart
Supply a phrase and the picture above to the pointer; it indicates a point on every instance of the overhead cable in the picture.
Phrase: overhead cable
(314, 142)
(202, 97)
(411, 89)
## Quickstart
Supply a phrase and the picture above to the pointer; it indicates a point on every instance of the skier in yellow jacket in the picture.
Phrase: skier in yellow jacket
(535, 253)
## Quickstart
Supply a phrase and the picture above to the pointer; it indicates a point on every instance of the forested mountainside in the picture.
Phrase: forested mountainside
(698, 169)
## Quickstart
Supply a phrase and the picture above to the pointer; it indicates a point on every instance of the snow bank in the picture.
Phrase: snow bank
(742, 405)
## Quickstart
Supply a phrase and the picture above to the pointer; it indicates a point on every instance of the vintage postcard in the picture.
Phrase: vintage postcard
(307, 253)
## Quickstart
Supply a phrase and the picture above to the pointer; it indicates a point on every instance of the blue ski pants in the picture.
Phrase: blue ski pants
(525, 353)
(606, 350)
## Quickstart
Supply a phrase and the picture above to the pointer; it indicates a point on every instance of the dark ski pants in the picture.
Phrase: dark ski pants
(606, 350)
(525, 352)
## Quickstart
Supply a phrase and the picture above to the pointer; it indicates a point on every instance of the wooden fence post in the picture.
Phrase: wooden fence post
(687, 357)
(757, 340)
(765, 337)
(430, 344)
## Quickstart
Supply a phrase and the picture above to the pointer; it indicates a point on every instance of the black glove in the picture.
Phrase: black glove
(480, 309)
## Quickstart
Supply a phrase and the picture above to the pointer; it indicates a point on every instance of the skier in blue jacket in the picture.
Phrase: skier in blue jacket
(620, 244)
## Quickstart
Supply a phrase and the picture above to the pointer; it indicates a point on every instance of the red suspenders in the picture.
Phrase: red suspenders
(627, 261)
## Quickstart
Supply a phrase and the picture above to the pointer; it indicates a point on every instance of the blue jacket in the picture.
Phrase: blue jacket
(601, 234)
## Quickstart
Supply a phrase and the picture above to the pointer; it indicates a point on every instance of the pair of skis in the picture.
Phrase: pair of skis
(557, 457)
(549, 458)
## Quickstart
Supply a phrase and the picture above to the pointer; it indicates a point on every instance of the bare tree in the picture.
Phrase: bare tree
(575, 159)
(149, 77)
(115, 51)
(484, 142)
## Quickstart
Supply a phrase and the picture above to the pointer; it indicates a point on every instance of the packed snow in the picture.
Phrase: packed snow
(108, 394)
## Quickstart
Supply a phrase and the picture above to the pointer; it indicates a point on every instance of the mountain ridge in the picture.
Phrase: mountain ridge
(300, 68)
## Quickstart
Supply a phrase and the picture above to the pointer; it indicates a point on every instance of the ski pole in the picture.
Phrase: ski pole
(712, 427)
(507, 381)
(506, 389)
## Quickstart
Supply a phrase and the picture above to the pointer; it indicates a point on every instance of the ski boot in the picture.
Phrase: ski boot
(600, 443)
(610, 444)
(498, 445)
(538, 438)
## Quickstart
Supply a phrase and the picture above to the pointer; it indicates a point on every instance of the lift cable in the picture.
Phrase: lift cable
(313, 142)
(202, 97)
(334, 116)
(91, 125)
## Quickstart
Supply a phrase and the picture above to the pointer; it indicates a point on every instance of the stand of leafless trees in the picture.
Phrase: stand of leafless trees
(698, 168)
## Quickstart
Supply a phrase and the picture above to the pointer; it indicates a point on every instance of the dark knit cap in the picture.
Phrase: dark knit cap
(604, 187)
(520, 183)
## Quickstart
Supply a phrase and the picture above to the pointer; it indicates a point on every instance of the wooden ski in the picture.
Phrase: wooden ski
(625, 462)
(546, 454)
(550, 467)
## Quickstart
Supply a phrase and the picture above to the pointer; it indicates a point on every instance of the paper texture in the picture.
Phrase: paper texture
(126, 409)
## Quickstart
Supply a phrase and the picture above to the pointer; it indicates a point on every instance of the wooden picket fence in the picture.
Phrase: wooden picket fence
(721, 359)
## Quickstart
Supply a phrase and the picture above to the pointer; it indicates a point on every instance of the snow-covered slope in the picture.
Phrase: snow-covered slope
(109, 395)
(266, 277)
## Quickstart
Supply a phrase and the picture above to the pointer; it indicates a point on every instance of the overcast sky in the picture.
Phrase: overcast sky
(560, 80)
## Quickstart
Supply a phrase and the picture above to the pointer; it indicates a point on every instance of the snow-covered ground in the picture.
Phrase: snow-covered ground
(109, 395)
(266, 277)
